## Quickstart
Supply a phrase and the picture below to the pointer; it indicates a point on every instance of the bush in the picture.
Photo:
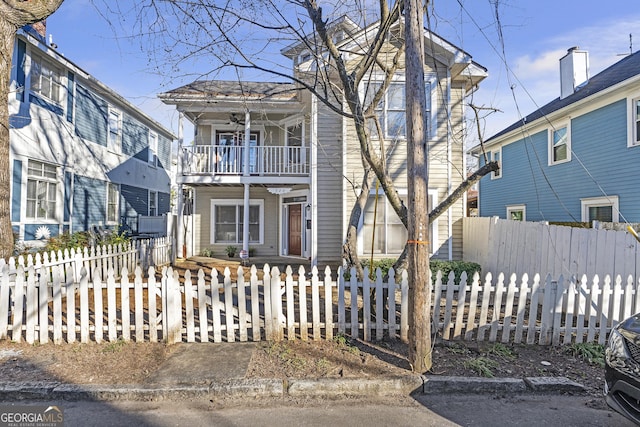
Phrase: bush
(446, 267)
(456, 266)
(208, 252)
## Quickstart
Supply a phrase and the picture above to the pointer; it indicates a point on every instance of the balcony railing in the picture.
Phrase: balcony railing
(229, 160)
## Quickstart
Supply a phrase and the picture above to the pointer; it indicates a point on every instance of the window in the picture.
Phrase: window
(389, 235)
(227, 222)
(496, 156)
(153, 203)
(517, 213)
(295, 138)
(634, 132)
(42, 188)
(604, 209)
(46, 80)
(559, 145)
(115, 129)
(113, 195)
(153, 148)
(391, 111)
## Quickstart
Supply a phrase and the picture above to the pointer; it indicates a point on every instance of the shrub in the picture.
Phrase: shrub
(208, 252)
(456, 266)
(435, 264)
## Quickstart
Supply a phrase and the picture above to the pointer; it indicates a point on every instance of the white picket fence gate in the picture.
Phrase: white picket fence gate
(48, 305)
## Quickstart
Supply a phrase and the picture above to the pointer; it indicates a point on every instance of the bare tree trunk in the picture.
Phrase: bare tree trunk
(7, 37)
(417, 172)
(13, 15)
(401, 262)
(350, 246)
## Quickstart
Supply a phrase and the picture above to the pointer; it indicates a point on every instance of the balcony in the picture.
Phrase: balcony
(228, 161)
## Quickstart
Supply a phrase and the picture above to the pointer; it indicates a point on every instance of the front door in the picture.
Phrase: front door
(295, 230)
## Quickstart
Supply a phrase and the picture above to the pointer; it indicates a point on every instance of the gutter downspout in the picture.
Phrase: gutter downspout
(449, 160)
(314, 181)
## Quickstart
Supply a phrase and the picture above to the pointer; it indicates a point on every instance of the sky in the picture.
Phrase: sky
(533, 36)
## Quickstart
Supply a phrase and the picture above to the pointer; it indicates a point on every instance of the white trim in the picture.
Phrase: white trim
(516, 208)
(550, 133)
(497, 174)
(117, 189)
(633, 140)
(588, 202)
(235, 202)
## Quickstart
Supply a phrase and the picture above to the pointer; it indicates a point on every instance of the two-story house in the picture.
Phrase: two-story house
(82, 157)
(272, 164)
(575, 158)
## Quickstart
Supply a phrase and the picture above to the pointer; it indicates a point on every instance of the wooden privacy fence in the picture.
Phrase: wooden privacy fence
(519, 247)
(50, 306)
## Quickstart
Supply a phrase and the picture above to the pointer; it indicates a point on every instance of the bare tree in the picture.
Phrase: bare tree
(225, 34)
(14, 14)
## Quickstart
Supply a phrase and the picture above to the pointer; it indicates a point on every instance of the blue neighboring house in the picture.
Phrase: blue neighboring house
(82, 157)
(576, 158)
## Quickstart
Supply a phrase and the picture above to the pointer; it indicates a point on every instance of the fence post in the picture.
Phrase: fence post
(172, 307)
(548, 308)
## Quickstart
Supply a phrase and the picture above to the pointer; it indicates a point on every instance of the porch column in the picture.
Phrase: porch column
(245, 219)
(313, 162)
(247, 142)
(179, 235)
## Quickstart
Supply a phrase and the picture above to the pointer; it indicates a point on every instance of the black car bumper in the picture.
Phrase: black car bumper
(622, 394)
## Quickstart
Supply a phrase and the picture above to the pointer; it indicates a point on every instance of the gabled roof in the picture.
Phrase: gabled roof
(617, 73)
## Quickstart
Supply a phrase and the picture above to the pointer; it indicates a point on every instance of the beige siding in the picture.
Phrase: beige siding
(203, 211)
(204, 135)
(444, 152)
(329, 186)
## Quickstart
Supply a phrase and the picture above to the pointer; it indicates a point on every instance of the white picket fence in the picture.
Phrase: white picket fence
(38, 307)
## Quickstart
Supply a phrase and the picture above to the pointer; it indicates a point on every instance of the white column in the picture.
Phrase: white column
(247, 141)
(245, 219)
(180, 229)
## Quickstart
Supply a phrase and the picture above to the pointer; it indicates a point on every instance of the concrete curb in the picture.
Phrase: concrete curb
(254, 388)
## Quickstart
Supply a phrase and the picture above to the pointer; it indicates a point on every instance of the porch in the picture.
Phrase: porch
(263, 160)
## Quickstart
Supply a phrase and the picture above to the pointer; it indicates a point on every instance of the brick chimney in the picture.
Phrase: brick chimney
(41, 28)
(574, 71)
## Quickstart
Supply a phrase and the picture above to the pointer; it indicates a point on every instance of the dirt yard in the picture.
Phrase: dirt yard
(129, 363)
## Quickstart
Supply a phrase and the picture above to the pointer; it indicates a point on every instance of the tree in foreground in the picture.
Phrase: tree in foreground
(14, 14)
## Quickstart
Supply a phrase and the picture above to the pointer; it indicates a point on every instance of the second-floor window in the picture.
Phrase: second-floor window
(115, 129)
(391, 110)
(46, 80)
(559, 144)
(153, 148)
(42, 188)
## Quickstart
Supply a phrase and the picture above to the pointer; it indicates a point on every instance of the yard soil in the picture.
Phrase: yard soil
(132, 363)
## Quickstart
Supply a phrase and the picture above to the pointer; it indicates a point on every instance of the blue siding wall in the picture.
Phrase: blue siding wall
(71, 80)
(91, 116)
(553, 193)
(135, 138)
(164, 152)
(20, 74)
(30, 230)
(89, 203)
(136, 201)
(16, 197)
(68, 189)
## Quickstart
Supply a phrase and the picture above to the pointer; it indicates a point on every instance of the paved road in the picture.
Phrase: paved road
(424, 411)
